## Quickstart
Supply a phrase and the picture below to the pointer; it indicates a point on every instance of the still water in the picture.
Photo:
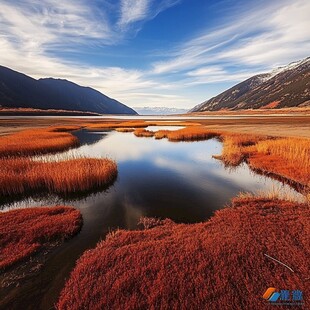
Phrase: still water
(156, 178)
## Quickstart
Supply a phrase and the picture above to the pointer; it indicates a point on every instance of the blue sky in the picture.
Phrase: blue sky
(173, 53)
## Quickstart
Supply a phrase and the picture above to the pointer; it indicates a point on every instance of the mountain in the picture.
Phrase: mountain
(159, 110)
(18, 90)
(287, 86)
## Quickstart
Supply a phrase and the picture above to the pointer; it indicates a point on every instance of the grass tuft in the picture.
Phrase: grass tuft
(194, 133)
(24, 232)
(38, 141)
(144, 133)
(19, 176)
(197, 266)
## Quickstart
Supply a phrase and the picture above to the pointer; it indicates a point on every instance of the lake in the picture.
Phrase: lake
(156, 178)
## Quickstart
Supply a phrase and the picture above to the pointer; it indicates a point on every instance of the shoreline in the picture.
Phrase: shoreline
(254, 126)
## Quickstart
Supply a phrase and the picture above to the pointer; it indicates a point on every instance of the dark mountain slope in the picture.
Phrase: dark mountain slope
(18, 90)
(287, 86)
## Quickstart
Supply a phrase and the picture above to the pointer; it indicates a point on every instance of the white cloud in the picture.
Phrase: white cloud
(287, 38)
(35, 24)
(274, 34)
(249, 42)
(133, 11)
(29, 29)
(203, 71)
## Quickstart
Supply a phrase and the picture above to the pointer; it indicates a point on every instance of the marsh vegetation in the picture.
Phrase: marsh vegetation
(185, 181)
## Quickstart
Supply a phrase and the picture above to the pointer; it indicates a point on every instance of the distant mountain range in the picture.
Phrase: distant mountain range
(287, 86)
(18, 90)
(159, 110)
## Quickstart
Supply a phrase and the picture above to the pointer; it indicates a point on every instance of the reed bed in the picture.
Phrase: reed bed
(143, 133)
(136, 124)
(193, 133)
(288, 157)
(276, 193)
(114, 125)
(38, 141)
(24, 232)
(19, 176)
(125, 129)
(237, 147)
(197, 266)
(160, 134)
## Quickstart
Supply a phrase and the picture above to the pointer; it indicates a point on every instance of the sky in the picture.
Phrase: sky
(155, 53)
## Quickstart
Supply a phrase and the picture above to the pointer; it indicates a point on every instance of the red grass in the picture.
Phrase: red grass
(124, 129)
(287, 157)
(219, 264)
(237, 147)
(38, 141)
(23, 175)
(26, 231)
(114, 125)
(135, 124)
(160, 134)
(193, 133)
(143, 133)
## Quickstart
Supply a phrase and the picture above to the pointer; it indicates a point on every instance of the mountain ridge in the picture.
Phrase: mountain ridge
(286, 86)
(18, 90)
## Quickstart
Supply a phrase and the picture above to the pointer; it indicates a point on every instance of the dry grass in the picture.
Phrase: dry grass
(114, 125)
(211, 265)
(160, 134)
(144, 133)
(135, 124)
(193, 133)
(276, 193)
(19, 176)
(125, 129)
(237, 147)
(38, 141)
(24, 232)
(287, 157)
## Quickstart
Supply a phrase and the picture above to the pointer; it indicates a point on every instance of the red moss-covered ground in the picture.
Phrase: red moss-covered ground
(25, 232)
(219, 264)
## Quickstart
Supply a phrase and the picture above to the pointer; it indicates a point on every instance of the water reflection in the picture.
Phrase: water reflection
(156, 175)
(158, 178)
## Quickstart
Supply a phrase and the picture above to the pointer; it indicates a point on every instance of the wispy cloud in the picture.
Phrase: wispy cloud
(133, 11)
(243, 44)
(286, 37)
(263, 38)
(36, 24)
(29, 29)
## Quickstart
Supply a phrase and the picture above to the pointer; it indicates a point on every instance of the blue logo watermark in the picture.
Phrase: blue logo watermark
(283, 297)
